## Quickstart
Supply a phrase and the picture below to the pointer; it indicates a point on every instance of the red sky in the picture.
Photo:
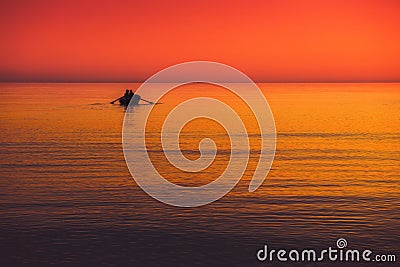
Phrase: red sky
(268, 40)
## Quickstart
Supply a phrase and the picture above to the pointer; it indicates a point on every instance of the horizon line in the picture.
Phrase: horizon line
(333, 81)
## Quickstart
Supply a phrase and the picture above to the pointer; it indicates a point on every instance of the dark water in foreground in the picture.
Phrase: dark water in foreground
(67, 197)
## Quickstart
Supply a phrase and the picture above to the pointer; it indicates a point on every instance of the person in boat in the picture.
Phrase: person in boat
(126, 93)
(128, 97)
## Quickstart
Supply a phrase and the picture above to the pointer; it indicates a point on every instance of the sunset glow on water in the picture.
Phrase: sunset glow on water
(67, 192)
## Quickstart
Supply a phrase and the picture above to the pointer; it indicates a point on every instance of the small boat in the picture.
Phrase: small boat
(131, 98)
(125, 100)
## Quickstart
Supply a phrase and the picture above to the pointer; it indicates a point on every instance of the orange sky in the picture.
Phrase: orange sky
(268, 40)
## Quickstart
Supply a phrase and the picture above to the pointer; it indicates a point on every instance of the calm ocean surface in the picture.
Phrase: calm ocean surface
(68, 199)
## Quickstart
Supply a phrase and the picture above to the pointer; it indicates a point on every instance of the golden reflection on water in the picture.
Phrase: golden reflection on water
(196, 130)
(336, 139)
(335, 171)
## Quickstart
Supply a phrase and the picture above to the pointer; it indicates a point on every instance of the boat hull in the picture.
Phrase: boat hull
(134, 100)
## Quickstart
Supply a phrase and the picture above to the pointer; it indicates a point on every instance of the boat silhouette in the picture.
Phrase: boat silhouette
(130, 98)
